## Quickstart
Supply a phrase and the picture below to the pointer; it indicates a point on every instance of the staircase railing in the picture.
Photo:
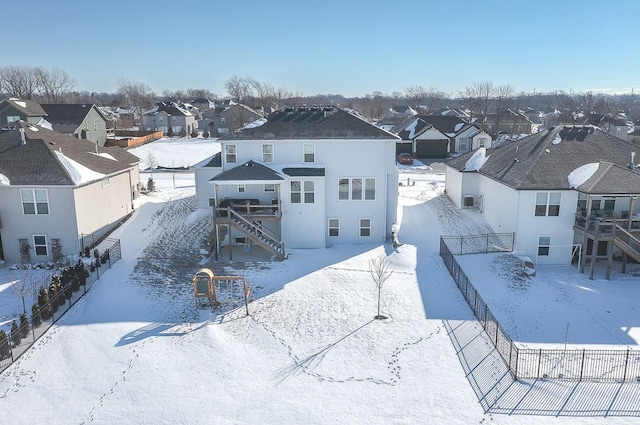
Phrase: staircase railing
(257, 231)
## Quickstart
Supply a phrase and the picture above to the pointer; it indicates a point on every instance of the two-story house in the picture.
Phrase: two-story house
(614, 124)
(508, 121)
(82, 121)
(170, 118)
(12, 110)
(569, 193)
(54, 189)
(227, 117)
(304, 178)
(463, 136)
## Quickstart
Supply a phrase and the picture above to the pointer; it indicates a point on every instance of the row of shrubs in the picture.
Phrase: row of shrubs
(50, 299)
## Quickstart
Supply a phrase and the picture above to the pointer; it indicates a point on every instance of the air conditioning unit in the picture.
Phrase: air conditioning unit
(468, 201)
(212, 202)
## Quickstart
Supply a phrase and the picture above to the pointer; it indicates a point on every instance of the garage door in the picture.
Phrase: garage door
(404, 147)
(432, 148)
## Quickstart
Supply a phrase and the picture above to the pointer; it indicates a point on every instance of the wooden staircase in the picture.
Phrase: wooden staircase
(258, 234)
(627, 243)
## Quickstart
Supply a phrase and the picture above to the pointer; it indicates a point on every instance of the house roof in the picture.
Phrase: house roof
(448, 124)
(170, 108)
(600, 119)
(326, 122)
(67, 115)
(612, 179)
(410, 128)
(544, 160)
(249, 171)
(215, 161)
(28, 107)
(50, 158)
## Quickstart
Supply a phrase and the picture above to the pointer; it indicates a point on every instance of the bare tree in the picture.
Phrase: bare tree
(135, 95)
(503, 97)
(19, 81)
(151, 160)
(238, 88)
(379, 270)
(53, 84)
(424, 100)
(23, 287)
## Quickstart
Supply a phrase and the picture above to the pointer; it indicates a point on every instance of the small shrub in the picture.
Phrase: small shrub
(150, 185)
(96, 253)
(5, 351)
(205, 134)
(44, 307)
(16, 338)
(36, 317)
(194, 133)
(24, 325)
(87, 252)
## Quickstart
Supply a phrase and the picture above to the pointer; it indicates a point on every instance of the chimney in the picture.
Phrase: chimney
(23, 138)
(632, 165)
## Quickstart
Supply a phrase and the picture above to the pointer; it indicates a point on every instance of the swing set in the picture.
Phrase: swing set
(204, 286)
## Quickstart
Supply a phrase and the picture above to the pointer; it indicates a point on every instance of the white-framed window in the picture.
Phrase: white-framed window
(230, 154)
(609, 204)
(242, 188)
(35, 201)
(40, 244)
(482, 142)
(269, 187)
(12, 118)
(300, 188)
(267, 152)
(223, 120)
(544, 245)
(223, 130)
(463, 144)
(357, 189)
(95, 126)
(334, 227)
(160, 119)
(365, 227)
(309, 152)
(106, 182)
(101, 126)
(547, 204)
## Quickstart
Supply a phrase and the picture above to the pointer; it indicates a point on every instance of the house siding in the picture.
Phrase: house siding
(95, 127)
(60, 223)
(204, 188)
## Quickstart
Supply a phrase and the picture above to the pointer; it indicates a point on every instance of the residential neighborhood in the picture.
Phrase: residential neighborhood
(320, 213)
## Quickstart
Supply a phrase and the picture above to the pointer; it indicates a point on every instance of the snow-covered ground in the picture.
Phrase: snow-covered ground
(135, 349)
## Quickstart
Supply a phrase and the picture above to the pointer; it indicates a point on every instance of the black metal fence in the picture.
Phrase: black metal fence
(578, 365)
(58, 305)
(478, 244)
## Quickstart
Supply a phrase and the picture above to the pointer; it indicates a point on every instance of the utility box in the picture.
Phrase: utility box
(468, 201)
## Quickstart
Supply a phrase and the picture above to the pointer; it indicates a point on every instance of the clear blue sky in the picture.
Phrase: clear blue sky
(330, 46)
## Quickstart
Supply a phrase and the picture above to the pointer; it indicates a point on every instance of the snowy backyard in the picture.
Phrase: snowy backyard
(135, 349)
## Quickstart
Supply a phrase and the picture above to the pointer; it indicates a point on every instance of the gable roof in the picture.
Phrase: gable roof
(410, 128)
(28, 107)
(170, 108)
(50, 158)
(60, 114)
(249, 171)
(326, 122)
(543, 161)
(447, 124)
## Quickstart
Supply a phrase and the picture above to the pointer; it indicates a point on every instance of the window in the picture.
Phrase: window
(101, 126)
(352, 189)
(241, 188)
(160, 119)
(334, 227)
(12, 118)
(269, 187)
(40, 244)
(95, 126)
(295, 192)
(173, 119)
(34, 201)
(222, 121)
(300, 188)
(544, 243)
(463, 143)
(309, 151)
(547, 204)
(309, 192)
(267, 153)
(609, 204)
(482, 142)
(223, 130)
(230, 154)
(105, 182)
(365, 227)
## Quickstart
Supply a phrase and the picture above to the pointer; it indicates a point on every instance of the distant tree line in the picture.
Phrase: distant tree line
(479, 98)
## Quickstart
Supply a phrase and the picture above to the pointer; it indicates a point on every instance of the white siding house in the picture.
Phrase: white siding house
(55, 188)
(316, 176)
(552, 190)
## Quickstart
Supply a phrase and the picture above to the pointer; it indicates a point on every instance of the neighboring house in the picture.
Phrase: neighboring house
(12, 110)
(226, 118)
(553, 190)
(615, 125)
(203, 104)
(304, 178)
(508, 121)
(395, 115)
(82, 121)
(54, 189)
(634, 137)
(170, 118)
(439, 136)
(205, 171)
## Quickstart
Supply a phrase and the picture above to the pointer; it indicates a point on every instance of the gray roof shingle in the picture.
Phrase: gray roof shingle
(544, 160)
(250, 170)
(68, 115)
(35, 162)
(29, 107)
(311, 123)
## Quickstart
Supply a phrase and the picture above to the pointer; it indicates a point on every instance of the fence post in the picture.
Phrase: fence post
(461, 240)
(517, 359)
(626, 362)
(486, 249)
(582, 365)
(497, 328)
(539, 362)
